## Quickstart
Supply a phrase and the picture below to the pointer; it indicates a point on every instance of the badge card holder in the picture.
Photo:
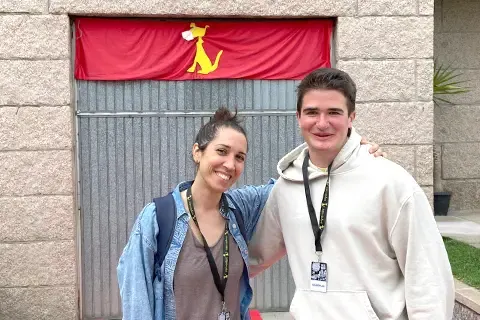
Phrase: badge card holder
(221, 285)
(318, 269)
(318, 278)
(224, 315)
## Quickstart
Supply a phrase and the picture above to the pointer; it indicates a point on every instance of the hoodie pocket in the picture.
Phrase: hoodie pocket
(344, 305)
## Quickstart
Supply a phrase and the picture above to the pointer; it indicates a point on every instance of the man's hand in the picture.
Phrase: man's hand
(375, 149)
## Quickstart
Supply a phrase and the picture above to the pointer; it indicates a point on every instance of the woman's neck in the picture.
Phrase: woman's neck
(205, 199)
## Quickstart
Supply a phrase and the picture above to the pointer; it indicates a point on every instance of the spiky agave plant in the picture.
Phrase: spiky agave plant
(445, 81)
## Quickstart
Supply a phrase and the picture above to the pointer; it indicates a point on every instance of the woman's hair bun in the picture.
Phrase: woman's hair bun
(224, 115)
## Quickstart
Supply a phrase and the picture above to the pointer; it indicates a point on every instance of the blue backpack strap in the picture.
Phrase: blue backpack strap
(239, 218)
(166, 214)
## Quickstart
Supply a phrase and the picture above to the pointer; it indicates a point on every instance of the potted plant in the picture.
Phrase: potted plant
(445, 82)
(441, 199)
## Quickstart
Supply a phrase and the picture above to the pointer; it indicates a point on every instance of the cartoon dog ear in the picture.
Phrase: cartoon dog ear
(192, 24)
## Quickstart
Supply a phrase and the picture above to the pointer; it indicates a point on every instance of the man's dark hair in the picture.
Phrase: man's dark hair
(328, 79)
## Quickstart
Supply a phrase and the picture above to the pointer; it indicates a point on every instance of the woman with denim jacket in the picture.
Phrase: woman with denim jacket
(186, 288)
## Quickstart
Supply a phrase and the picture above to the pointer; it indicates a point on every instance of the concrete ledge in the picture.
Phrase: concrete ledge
(468, 296)
(217, 8)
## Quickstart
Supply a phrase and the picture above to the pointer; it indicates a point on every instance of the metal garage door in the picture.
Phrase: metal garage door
(134, 142)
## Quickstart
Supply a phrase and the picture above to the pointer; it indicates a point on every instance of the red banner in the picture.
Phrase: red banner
(122, 49)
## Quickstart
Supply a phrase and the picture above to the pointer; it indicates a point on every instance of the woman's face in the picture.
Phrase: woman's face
(222, 162)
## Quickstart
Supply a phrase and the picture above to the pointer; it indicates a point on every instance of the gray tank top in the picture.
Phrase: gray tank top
(196, 295)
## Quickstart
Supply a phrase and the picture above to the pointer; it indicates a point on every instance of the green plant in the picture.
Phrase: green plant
(445, 81)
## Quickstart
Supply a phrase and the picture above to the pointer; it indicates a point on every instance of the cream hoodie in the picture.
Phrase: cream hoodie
(385, 256)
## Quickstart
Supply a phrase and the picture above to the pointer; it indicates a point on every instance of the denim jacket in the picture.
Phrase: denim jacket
(145, 297)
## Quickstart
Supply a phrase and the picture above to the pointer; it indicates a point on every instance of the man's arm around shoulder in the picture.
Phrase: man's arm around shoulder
(266, 246)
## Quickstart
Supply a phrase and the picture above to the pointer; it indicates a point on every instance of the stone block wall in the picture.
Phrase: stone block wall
(38, 278)
(457, 127)
(388, 48)
(386, 45)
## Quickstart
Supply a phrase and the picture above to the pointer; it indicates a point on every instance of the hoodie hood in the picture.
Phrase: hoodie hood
(290, 166)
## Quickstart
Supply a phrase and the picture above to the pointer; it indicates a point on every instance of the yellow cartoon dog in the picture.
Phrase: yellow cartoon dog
(201, 56)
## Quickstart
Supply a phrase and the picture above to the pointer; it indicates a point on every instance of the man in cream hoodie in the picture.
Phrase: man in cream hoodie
(364, 245)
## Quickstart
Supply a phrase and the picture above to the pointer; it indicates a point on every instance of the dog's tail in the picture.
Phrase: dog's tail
(217, 59)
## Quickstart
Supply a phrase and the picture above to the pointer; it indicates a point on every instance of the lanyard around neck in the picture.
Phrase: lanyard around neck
(219, 283)
(317, 227)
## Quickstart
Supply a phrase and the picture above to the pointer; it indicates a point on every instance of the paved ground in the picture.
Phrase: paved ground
(276, 316)
(462, 226)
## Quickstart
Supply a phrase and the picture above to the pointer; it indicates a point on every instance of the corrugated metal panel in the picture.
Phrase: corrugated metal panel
(114, 96)
(125, 161)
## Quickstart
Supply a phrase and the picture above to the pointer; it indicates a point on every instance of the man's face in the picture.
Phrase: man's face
(324, 120)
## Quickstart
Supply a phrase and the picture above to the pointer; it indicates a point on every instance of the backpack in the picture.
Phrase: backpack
(166, 218)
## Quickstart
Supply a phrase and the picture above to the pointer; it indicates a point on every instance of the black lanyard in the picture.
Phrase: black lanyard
(318, 227)
(219, 283)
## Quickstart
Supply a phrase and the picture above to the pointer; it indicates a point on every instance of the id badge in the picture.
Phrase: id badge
(224, 315)
(318, 279)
